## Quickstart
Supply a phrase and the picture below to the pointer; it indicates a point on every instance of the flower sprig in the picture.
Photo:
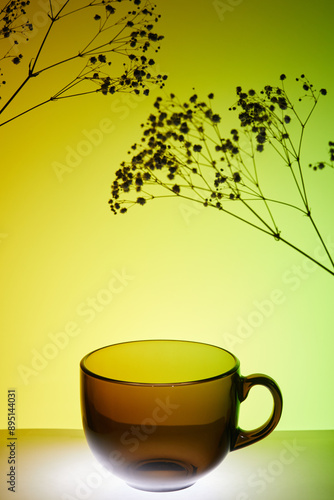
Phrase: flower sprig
(183, 154)
(320, 165)
(13, 20)
(127, 35)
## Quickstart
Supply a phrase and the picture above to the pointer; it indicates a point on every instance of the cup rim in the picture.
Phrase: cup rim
(160, 384)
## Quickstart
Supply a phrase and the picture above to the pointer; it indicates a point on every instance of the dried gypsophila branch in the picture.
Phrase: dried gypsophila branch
(183, 154)
(131, 37)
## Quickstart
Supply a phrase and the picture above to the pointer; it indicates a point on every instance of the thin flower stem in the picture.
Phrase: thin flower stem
(279, 238)
(272, 232)
(300, 168)
(14, 95)
(63, 61)
(299, 151)
(25, 112)
(61, 9)
(284, 203)
(72, 11)
(321, 239)
(73, 95)
(297, 184)
(306, 255)
(260, 190)
(32, 69)
(51, 8)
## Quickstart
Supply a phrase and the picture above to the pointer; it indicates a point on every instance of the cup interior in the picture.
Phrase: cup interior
(159, 362)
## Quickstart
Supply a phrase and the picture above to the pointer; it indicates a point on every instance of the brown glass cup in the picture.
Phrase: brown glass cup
(162, 413)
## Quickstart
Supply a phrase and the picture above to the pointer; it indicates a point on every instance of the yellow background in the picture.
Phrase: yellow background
(197, 276)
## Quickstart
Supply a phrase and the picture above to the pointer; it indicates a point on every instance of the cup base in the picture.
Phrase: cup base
(158, 475)
(161, 489)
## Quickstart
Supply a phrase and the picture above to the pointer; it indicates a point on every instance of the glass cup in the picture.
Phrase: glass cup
(162, 413)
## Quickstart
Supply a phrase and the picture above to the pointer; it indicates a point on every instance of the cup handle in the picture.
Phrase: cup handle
(245, 438)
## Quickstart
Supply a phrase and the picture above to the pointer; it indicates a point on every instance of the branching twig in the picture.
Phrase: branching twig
(131, 37)
(179, 154)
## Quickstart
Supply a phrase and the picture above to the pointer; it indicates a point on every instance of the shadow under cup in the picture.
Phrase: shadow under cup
(162, 413)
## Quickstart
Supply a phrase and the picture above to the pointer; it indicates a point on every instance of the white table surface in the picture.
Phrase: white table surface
(56, 464)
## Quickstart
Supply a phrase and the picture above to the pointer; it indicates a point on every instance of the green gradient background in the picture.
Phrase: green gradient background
(193, 279)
